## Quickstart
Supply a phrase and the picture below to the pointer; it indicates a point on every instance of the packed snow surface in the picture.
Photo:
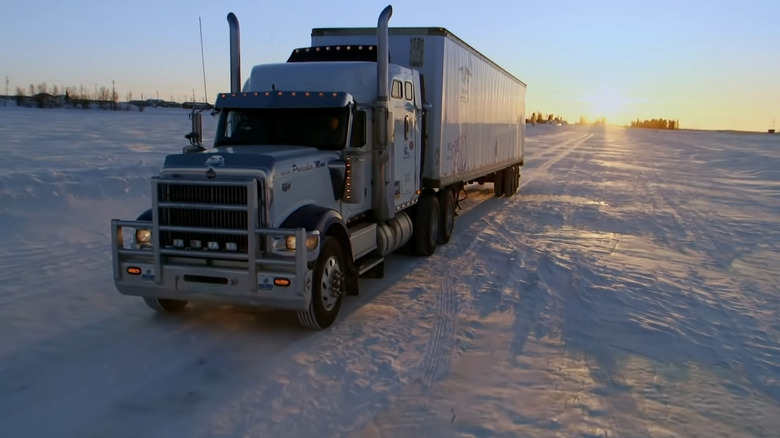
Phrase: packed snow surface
(629, 289)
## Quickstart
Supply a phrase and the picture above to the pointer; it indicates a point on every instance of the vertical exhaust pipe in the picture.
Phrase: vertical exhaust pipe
(235, 54)
(382, 53)
(383, 201)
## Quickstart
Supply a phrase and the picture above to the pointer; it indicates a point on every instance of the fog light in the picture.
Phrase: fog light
(133, 270)
(195, 244)
(213, 246)
(178, 243)
(231, 246)
(311, 242)
(143, 236)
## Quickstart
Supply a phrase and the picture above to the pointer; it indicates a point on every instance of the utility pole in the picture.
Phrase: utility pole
(6, 91)
(113, 95)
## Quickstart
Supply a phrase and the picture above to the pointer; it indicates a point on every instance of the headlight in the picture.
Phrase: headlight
(311, 242)
(143, 237)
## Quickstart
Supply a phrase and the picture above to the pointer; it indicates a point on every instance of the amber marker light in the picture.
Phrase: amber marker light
(282, 282)
(132, 270)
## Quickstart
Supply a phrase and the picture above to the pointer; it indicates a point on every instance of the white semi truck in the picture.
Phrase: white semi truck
(321, 167)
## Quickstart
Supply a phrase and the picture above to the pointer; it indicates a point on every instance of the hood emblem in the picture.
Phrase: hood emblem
(215, 161)
(210, 174)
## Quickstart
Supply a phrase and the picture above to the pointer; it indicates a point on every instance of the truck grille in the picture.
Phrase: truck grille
(204, 206)
(200, 194)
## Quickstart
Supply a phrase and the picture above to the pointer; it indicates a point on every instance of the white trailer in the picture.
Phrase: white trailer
(475, 115)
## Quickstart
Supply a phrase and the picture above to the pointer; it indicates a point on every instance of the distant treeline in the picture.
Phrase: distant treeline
(656, 124)
(44, 96)
(539, 117)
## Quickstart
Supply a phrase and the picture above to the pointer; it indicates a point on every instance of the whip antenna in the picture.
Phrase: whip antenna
(203, 62)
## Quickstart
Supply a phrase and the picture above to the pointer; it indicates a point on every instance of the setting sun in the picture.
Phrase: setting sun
(607, 103)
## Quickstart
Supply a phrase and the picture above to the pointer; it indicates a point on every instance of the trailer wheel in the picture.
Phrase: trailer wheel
(426, 225)
(164, 305)
(327, 291)
(498, 183)
(447, 207)
(510, 181)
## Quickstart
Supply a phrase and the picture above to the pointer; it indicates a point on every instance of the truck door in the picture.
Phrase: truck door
(406, 143)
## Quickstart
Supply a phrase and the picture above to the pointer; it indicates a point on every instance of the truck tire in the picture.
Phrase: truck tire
(426, 225)
(510, 181)
(164, 305)
(498, 183)
(327, 291)
(447, 207)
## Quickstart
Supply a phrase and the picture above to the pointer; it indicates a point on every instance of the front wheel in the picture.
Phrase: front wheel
(327, 291)
(164, 305)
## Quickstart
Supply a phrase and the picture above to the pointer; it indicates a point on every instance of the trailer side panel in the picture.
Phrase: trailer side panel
(476, 123)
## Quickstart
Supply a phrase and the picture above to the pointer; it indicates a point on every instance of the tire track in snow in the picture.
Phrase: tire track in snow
(563, 277)
(539, 161)
(438, 355)
(410, 413)
(376, 369)
(396, 341)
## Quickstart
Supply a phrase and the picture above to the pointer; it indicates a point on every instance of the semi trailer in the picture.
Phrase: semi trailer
(355, 147)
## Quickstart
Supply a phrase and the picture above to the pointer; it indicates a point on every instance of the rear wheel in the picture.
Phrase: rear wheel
(426, 225)
(510, 182)
(164, 305)
(328, 287)
(498, 183)
(447, 221)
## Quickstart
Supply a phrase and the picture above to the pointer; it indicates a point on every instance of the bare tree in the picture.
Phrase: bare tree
(104, 94)
(19, 96)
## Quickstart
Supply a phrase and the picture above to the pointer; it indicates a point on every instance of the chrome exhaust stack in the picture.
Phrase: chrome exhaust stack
(383, 201)
(382, 53)
(235, 54)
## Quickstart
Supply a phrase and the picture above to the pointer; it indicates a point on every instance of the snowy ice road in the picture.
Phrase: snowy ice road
(630, 289)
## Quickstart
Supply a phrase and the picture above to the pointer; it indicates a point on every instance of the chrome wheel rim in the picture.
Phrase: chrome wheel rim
(331, 284)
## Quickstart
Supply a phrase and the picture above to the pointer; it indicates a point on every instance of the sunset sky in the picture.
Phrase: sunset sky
(710, 64)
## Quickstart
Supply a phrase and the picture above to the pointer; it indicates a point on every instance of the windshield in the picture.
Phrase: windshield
(323, 128)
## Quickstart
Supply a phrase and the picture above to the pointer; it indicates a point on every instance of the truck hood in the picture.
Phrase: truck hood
(274, 161)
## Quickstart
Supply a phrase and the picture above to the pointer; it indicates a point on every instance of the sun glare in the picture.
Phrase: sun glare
(607, 103)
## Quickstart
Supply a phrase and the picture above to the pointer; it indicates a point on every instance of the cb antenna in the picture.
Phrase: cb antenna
(203, 62)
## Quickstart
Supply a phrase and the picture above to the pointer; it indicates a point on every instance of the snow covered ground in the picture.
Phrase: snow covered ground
(630, 289)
